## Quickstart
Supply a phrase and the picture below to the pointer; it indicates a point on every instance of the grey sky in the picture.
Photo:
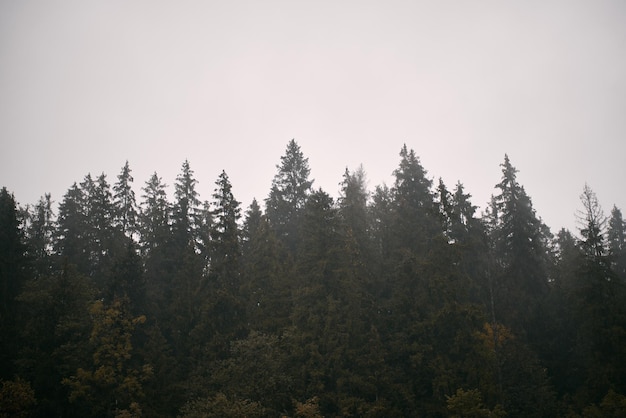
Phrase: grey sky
(86, 85)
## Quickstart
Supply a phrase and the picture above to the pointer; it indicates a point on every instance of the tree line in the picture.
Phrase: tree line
(401, 301)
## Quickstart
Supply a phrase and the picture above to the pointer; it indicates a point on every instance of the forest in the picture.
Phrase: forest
(402, 301)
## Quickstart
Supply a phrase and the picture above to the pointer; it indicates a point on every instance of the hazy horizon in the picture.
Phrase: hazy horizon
(85, 87)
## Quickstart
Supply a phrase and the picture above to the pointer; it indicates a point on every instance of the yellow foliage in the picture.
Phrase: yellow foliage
(309, 409)
(495, 335)
(16, 398)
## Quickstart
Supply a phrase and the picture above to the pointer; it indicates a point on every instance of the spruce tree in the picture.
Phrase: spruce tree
(225, 234)
(12, 277)
(72, 237)
(186, 209)
(616, 236)
(154, 217)
(290, 189)
(125, 204)
(520, 248)
(414, 213)
(40, 235)
(600, 301)
(593, 224)
(353, 209)
(251, 224)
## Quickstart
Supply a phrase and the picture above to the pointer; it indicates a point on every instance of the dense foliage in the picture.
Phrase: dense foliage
(398, 302)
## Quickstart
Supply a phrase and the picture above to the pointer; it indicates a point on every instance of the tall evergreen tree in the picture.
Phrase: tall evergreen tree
(221, 316)
(186, 210)
(600, 302)
(353, 209)
(520, 240)
(267, 278)
(463, 221)
(290, 189)
(381, 233)
(154, 218)
(444, 201)
(617, 243)
(72, 238)
(154, 228)
(12, 276)
(251, 224)
(105, 242)
(40, 235)
(225, 234)
(414, 221)
(318, 256)
(125, 204)
(593, 227)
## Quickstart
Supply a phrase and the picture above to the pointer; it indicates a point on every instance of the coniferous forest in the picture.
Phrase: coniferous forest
(401, 301)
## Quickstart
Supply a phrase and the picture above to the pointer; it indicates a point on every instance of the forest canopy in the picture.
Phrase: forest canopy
(126, 301)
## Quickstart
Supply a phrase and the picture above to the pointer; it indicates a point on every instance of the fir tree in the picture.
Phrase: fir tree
(40, 235)
(125, 204)
(289, 192)
(186, 210)
(414, 212)
(225, 234)
(72, 235)
(520, 240)
(12, 277)
(616, 236)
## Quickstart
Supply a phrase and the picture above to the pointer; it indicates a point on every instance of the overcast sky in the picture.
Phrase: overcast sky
(87, 85)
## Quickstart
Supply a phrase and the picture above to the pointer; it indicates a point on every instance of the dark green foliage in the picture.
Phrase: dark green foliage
(186, 210)
(125, 205)
(288, 194)
(414, 215)
(40, 230)
(12, 277)
(520, 253)
(225, 234)
(71, 237)
(617, 243)
(55, 326)
(402, 302)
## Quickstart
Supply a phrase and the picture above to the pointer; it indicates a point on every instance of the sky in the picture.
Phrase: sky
(87, 85)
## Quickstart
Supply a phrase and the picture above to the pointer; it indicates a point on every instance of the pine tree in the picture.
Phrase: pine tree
(125, 204)
(520, 248)
(593, 227)
(12, 277)
(154, 217)
(445, 208)
(267, 280)
(414, 213)
(318, 256)
(252, 222)
(40, 235)
(225, 234)
(353, 209)
(155, 246)
(186, 210)
(107, 241)
(616, 236)
(380, 213)
(463, 222)
(600, 302)
(72, 234)
(288, 195)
